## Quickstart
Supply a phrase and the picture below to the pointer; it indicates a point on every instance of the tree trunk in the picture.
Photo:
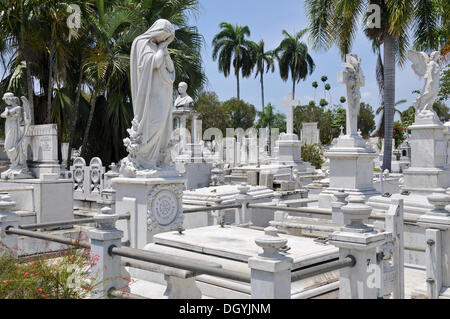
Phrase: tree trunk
(50, 81)
(293, 88)
(389, 99)
(89, 123)
(237, 81)
(74, 117)
(30, 92)
(262, 91)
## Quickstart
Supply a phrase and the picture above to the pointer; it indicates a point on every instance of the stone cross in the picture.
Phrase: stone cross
(290, 103)
(354, 79)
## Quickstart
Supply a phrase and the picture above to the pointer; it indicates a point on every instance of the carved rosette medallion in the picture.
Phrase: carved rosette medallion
(165, 209)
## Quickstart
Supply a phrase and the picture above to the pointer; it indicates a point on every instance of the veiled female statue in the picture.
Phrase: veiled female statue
(16, 125)
(152, 77)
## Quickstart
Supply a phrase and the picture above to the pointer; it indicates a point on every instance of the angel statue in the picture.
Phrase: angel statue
(429, 68)
(18, 121)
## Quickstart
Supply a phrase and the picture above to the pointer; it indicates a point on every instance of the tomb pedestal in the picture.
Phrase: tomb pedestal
(41, 145)
(351, 169)
(361, 242)
(429, 171)
(52, 197)
(289, 153)
(153, 200)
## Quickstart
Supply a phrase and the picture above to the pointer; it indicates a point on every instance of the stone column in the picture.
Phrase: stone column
(362, 281)
(243, 214)
(183, 136)
(271, 270)
(8, 243)
(437, 225)
(105, 268)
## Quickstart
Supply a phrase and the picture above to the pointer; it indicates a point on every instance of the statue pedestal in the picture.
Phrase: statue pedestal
(289, 152)
(351, 169)
(429, 171)
(153, 200)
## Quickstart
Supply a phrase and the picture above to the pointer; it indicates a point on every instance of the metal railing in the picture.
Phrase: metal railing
(70, 222)
(211, 208)
(348, 261)
(43, 236)
(206, 268)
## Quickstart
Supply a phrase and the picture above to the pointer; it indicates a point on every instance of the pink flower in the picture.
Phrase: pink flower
(26, 274)
(5, 282)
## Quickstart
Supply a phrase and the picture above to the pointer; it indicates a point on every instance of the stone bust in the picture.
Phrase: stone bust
(183, 100)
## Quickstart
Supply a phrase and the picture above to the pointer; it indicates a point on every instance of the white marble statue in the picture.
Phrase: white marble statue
(429, 68)
(183, 100)
(17, 122)
(353, 78)
(152, 77)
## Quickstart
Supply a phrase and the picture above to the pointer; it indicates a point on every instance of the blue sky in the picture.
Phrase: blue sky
(266, 20)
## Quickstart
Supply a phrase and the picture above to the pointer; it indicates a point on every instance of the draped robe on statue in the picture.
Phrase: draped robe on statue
(152, 90)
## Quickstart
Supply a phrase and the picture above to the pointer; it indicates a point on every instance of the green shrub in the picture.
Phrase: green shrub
(64, 277)
(313, 154)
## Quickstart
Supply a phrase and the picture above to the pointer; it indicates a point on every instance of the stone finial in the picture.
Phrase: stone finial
(106, 219)
(439, 201)
(271, 243)
(341, 195)
(355, 212)
(243, 188)
(341, 128)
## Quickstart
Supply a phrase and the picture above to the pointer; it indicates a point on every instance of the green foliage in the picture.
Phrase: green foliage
(342, 99)
(442, 111)
(40, 278)
(271, 119)
(313, 154)
(445, 85)
(313, 113)
(211, 111)
(240, 114)
(324, 78)
(315, 85)
(366, 120)
(407, 116)
(399, 133)
(323, 102)
(340, 119)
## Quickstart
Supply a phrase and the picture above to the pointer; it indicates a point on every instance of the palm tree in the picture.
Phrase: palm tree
(315, 85)
(230, 43)
(264, 61)
(334, 23)
(108, 62)
(294, 59)
(328, 88)
(381, 128)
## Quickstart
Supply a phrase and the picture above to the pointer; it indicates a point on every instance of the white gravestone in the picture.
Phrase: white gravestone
(310, 133)
(41, 145)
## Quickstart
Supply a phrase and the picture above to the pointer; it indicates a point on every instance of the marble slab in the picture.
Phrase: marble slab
(239, 244)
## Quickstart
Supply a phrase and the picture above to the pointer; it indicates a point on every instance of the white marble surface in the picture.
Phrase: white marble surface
(239, 244)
